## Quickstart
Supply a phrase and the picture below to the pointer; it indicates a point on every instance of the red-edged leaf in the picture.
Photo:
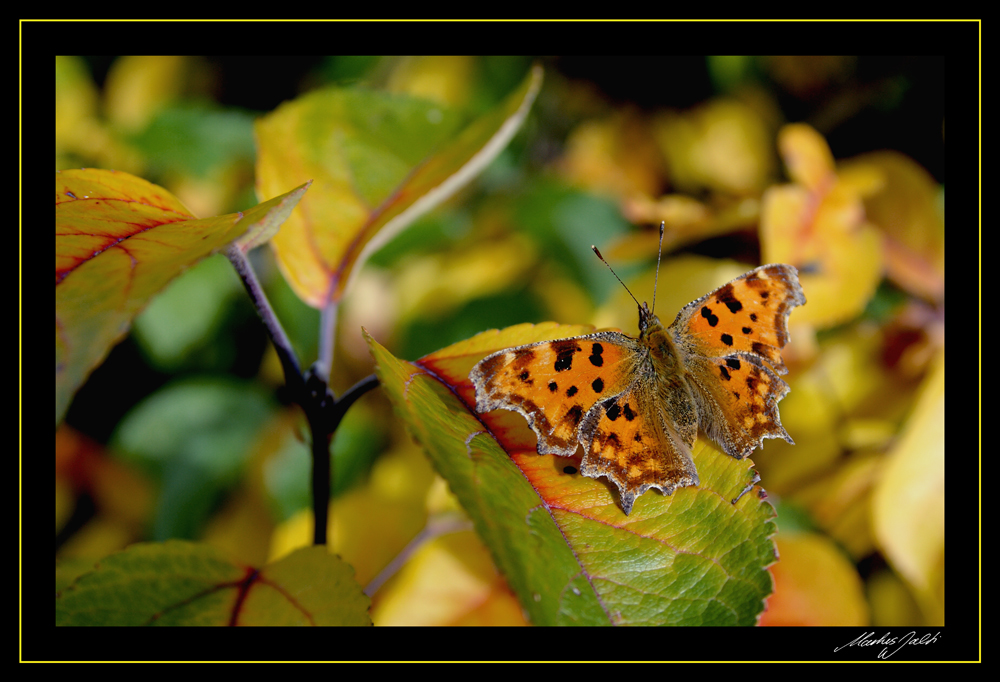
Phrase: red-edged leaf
(120, 240)
(183, 583)
(381, 160)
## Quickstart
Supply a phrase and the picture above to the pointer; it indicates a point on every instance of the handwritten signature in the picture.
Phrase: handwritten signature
(890, 645)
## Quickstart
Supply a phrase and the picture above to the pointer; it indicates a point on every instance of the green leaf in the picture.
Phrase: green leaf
(381, 161)
(194, 437)
(183, 583)
(696, 557)
(120, 240)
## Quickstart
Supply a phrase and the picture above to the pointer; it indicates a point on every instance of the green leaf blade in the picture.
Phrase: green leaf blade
(381, 161)
(183, 583)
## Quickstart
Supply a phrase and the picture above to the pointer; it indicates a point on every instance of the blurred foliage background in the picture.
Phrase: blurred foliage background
(185, 432)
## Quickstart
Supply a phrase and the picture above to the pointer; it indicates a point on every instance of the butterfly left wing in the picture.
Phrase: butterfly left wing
(731, 341)
(553, 384)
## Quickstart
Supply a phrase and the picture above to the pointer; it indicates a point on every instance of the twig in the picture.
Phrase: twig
(433, 529)
(290, 364)
(310, 390)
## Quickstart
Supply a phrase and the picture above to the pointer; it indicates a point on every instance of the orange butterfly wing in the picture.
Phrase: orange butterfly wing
(642, 438)
(730, 342)
(603, 391)
(553, 384)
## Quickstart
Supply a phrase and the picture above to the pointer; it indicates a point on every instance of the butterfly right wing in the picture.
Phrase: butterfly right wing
(731, 341)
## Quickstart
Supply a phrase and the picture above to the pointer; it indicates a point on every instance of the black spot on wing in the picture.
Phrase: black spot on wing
(726, 297)
(596, 358)
(564, 350)
(612, 409)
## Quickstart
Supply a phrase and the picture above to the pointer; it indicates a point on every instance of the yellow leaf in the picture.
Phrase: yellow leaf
(814, 584)
(818, 224)
(908, 501)
(120, 240)
(380, 161)
(450, 580)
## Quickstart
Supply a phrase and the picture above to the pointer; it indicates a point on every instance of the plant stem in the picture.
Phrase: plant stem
(309, 390)
(322, 430)
(327, 338)
(290, 364)
(348, 398)
(321, 455)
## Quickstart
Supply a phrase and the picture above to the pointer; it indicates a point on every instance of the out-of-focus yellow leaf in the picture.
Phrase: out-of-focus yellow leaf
(120, 240)
(814, 584)
(847, 399)
(450, 580)
(724, 146)
(818, 225)
(685, 220)
(380, 161)
(76, 101)
(892, 601)
(441, 78)
(432, 284)
(841, 503)
(907, 211)
(908, 502)
(810, 414)
(121, 496)
(807, 157)
(138, 86)
(616, 156)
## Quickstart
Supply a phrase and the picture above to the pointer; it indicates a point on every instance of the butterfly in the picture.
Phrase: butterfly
(635, 405)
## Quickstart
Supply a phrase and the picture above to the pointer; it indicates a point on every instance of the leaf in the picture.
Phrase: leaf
(907, 211)
(476, 595)
(697, 557)
(193, 436)
(183, 583)
(381, 161)
(120, 240)
(908, 502)
(807, 558)
(818, 224)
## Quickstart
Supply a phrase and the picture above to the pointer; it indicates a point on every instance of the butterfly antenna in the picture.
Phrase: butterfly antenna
(613, 272)
(656, 280)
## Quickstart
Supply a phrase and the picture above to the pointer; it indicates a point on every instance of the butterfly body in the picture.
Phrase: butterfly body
(635, 405)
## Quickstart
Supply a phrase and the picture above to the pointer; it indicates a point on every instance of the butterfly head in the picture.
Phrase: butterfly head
(647, 320)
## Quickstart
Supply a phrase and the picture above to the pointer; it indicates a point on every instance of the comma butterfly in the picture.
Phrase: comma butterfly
(635, 405)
